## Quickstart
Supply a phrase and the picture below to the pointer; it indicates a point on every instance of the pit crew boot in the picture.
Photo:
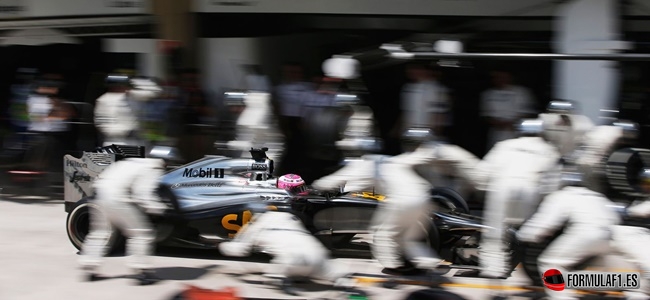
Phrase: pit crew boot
(287, 287)
(404, 271)
(146, 277)
(91, 276)
(407, 269)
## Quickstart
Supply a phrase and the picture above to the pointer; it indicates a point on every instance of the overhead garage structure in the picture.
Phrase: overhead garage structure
(77, 38)
(86, 26)
(234, 33)
(572, 27)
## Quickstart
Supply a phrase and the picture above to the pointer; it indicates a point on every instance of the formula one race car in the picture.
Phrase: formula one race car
(211, 199)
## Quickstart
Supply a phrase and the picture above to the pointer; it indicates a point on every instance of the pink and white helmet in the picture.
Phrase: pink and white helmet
(292, 183)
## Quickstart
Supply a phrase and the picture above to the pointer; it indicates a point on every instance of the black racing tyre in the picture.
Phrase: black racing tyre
(448, 200)
(530, 253)
(433, 235)
(623, 167)
(433, 294)
(78, 226)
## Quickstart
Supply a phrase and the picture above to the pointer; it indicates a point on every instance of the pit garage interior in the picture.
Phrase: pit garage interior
(75, 47)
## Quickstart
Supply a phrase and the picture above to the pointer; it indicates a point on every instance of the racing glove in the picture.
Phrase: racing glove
(235, 249)
(621, 211)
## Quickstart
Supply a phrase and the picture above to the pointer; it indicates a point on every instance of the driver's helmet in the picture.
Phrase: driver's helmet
(292, 183)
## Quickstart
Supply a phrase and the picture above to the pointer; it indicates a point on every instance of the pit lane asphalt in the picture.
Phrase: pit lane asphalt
(37, 261)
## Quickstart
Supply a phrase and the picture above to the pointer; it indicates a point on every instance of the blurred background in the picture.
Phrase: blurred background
(202, 50)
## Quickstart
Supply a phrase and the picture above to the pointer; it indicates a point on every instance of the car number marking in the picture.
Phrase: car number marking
(231, 222)
(368, 195)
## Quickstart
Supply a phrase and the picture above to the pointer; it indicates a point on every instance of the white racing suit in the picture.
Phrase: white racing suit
(596, 146)
(256, 126)
(295, 251)
(124, 192)
(588, 233)
(117, 116)
(116, 120)
(633, 242)
(515, 175)
(400, 222)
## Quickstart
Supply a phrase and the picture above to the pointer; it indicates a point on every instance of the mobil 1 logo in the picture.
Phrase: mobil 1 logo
(203, 173)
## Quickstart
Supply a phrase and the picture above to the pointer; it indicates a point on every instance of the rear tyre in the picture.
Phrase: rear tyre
(78, 227)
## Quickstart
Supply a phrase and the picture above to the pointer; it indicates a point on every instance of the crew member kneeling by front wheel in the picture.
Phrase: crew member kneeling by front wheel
(589, 218)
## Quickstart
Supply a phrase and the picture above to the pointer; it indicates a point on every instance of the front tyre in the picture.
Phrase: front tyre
(78, 226)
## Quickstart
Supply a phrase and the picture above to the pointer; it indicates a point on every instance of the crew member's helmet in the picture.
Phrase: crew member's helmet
(414, 137)
(630, 130)
(292, 183)
(117, 80)
(562, 107)
(531, 127)
(144, 89)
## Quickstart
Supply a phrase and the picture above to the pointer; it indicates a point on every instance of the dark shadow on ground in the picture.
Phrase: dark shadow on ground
(170, 273)
(25, 199)
(183, 273)
(208, 254)
(299, 286)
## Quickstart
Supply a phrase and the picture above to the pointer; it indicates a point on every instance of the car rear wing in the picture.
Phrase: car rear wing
(79, 173)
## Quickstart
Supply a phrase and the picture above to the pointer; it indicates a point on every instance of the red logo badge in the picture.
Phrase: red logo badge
(553, 280)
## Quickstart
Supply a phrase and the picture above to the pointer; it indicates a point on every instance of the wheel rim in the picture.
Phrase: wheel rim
(82, 226)
(79, 225)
